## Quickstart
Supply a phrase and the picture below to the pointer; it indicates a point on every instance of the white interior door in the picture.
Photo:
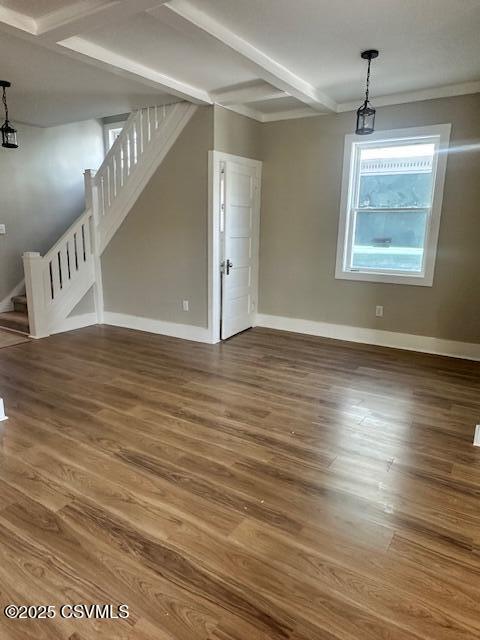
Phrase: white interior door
(239, 233)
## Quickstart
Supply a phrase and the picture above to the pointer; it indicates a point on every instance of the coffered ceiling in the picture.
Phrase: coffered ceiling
(270, 59)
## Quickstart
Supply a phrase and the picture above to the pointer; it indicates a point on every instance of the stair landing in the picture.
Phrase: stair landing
(16, 320)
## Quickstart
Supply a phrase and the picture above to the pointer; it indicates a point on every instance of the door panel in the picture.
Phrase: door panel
(239, 246)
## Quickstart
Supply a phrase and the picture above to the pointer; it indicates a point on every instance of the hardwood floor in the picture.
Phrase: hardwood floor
(273, 487)
(9, 338)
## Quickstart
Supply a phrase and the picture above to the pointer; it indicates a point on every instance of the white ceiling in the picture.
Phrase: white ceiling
(37, 8)
(74, 59)
(192, 58)
(423, 43)
(51, 89)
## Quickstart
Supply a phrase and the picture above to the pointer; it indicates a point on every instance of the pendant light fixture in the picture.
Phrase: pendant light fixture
(9, 134)
(366, 113)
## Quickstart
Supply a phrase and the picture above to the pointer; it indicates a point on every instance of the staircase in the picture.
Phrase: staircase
(56, 282)
(17, 318)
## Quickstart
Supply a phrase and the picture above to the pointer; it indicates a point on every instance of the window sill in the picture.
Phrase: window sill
(385, 278)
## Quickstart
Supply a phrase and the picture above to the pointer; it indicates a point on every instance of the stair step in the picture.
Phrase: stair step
(20, 303)
(15, 320)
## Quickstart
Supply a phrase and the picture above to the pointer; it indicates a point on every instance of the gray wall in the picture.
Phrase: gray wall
(41, 186)
(158, 257)
(236, 134)
(299, 221)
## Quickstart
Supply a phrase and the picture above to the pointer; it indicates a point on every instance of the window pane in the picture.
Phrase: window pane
(391, 240)
(113, 135)
(396, 177)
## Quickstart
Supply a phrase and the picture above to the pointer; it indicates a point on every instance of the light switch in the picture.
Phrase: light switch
(3, 230)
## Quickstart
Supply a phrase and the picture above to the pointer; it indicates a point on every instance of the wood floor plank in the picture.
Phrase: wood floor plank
(275, 486)
(377, 581)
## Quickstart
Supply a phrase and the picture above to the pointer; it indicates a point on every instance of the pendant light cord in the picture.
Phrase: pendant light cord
(368, 82)
(4, 100)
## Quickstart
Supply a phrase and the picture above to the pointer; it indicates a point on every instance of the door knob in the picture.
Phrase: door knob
(229, 266)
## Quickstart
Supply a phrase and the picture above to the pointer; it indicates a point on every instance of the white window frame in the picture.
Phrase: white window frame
(438, 134)
(107, 129)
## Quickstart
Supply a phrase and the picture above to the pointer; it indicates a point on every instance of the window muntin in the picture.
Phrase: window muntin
(389, 221)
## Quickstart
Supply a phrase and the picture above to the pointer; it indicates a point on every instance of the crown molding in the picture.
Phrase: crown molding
(54, 31)
(247, 94)
(243, 110)
(447, 91)
(291, 114)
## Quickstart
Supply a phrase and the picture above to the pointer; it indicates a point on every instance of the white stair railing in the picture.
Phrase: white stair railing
(56, 282)
(52, 282)
(125, 154)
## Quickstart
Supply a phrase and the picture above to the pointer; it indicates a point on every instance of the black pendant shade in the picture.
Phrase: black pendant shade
(9, 134)
(366, 113)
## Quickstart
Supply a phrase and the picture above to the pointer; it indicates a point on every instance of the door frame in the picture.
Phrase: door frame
(215, 160)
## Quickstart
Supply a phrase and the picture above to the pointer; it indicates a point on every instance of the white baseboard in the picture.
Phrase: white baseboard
(172, 329)
(75, 322)
(2, 411)
(6, 304)
(410, 342)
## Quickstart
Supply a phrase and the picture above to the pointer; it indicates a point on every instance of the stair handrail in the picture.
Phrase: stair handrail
(118, 142)
(75, 256)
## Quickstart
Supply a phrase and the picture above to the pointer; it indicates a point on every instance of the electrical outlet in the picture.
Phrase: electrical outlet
(186, 305)
(3, 230)
(379, 311)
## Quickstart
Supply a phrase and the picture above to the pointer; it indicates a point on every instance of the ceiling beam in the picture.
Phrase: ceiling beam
(17, 21)
(87, 15)
(265, 67)
(103, 58)
(247, 94)
(81, 49)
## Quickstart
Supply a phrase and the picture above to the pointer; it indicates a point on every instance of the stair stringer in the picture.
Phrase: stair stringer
(57, 282)
(176, 121)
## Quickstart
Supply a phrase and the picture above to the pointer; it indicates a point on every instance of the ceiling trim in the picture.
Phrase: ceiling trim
(244, 110)
(107, 59)
(17, 20)
(245, 95)
(267, 68)
(59, 31)
(448, 91)
(70, 21)
(81, 49)
(291, 114)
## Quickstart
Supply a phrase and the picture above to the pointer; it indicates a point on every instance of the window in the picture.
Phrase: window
(111, 132)
(113, 135)
(391, 204)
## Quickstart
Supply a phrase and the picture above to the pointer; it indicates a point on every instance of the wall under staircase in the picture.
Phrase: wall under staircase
(56, 282)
